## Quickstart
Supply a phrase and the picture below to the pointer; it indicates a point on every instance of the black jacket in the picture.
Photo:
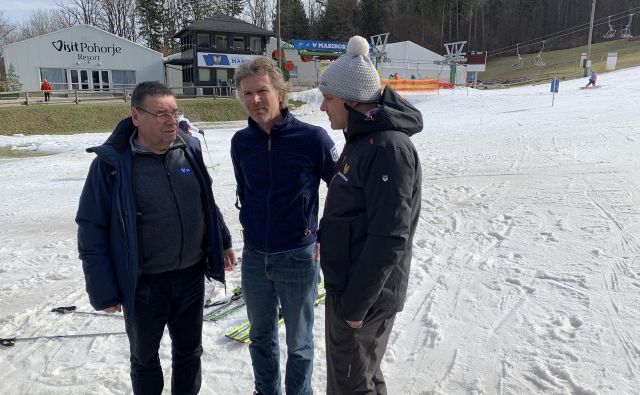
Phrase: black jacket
(372, 209)
(107, 221)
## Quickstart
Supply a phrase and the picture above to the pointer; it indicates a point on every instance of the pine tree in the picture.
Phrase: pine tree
(13, 81)
(232, 7)
(371, 18)
(340, 20)
(294, 23)
(153, 18)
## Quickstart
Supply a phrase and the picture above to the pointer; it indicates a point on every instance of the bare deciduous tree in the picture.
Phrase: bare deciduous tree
(83, 11)
(118, 17)
(258, 12)
(42, 22)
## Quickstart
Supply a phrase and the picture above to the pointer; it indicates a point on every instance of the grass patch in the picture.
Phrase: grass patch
(563, 63)
(103, 117)
(7, 152)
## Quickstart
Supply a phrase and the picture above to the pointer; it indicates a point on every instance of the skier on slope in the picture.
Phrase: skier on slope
(592, 79)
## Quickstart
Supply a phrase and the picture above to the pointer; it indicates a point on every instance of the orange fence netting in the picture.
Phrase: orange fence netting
(416, 85)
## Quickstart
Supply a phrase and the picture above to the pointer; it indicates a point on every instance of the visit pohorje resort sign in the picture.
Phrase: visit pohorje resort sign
(87, 51)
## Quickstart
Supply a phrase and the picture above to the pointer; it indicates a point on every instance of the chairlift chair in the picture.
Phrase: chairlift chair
(519, 61)
(612, 32)
(626, 32)
(539, 61)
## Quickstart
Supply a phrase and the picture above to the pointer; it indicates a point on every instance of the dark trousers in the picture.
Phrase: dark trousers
(47, 96)
(174, 299)
(354, 355)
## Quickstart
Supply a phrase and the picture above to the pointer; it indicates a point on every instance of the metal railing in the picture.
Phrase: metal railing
(78, 96)
(197, 91)
(63, 96)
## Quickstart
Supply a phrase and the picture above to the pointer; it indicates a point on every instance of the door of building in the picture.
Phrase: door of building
(89, 80)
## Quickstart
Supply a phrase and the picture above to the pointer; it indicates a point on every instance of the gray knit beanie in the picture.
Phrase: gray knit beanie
(352, 76)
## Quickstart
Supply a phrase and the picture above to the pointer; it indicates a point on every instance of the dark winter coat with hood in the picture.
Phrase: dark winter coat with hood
(107, 221)
(372, 209)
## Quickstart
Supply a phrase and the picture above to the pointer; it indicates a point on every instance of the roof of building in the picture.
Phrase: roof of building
(81, 27)
(225, 23)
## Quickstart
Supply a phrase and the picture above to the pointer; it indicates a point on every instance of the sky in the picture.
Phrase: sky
(18, 11)
(525, 274)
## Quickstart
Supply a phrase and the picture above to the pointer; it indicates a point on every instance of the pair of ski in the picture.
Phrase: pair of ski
(224, 308)
(241, 332)
(11, 341)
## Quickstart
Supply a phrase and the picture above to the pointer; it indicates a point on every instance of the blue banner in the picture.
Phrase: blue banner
(324, 46)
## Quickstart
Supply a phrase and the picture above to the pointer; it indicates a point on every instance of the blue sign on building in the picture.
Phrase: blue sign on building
(324, 46)
(216, 60)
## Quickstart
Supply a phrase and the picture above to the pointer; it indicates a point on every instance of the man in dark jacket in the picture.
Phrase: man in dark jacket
(148, 232)
(369, 219)
(278, 163)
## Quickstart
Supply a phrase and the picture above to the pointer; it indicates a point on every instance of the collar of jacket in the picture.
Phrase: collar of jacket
(119, 141)
(281, 125)
(392, 113)
(138, 149)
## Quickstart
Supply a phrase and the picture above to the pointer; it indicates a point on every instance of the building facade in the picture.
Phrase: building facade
(83, 58)
(211, 50)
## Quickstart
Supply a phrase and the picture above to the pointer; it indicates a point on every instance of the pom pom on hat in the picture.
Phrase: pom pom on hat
(352, 76)
(358, 46)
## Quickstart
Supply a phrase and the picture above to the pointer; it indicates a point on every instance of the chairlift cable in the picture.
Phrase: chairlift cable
(565, 32)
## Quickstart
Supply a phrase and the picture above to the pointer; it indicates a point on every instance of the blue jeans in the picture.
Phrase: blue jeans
(288, 279)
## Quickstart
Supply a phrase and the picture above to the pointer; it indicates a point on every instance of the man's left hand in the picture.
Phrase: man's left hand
(229, 259)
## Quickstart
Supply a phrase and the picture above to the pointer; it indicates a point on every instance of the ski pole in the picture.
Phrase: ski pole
(11, 341)
(201, 131)
(73, 310)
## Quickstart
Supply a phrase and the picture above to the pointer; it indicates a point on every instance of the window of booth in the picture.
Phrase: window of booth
(204, 74)
(221, 77)
(221, 41)
(238, 43)
(203, 40)
(256, 44)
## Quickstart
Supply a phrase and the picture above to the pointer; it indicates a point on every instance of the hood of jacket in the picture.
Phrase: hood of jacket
(392, 113)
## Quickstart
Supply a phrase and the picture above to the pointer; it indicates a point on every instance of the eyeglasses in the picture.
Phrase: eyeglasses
(165, 116)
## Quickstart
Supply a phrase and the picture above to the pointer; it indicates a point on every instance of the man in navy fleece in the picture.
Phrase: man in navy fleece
(278, 163)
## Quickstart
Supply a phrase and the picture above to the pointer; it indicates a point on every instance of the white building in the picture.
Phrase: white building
(83, 57)
(405, 58)
(409, 59)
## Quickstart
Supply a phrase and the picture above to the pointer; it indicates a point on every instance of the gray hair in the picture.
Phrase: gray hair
(148, 88)
(264, 66)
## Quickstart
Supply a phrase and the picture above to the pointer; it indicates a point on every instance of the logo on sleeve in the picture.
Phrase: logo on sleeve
(184, 171)
(334, 154)
(385, 178)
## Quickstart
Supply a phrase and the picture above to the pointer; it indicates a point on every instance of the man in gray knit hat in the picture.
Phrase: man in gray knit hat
(370, 216)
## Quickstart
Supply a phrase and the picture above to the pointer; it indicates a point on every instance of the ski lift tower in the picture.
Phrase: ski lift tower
(453, 57)
(379, 46)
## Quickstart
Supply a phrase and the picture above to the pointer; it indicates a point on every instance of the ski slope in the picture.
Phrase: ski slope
(526, 263)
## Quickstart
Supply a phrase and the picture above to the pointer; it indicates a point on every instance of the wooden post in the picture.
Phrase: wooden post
(26, 95)
(76, 94)
(125, 95)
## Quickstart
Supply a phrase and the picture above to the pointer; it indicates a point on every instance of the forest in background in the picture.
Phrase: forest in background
(492, 25)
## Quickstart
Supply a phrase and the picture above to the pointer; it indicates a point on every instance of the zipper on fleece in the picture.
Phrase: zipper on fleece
(267, 222)
(175, 201)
